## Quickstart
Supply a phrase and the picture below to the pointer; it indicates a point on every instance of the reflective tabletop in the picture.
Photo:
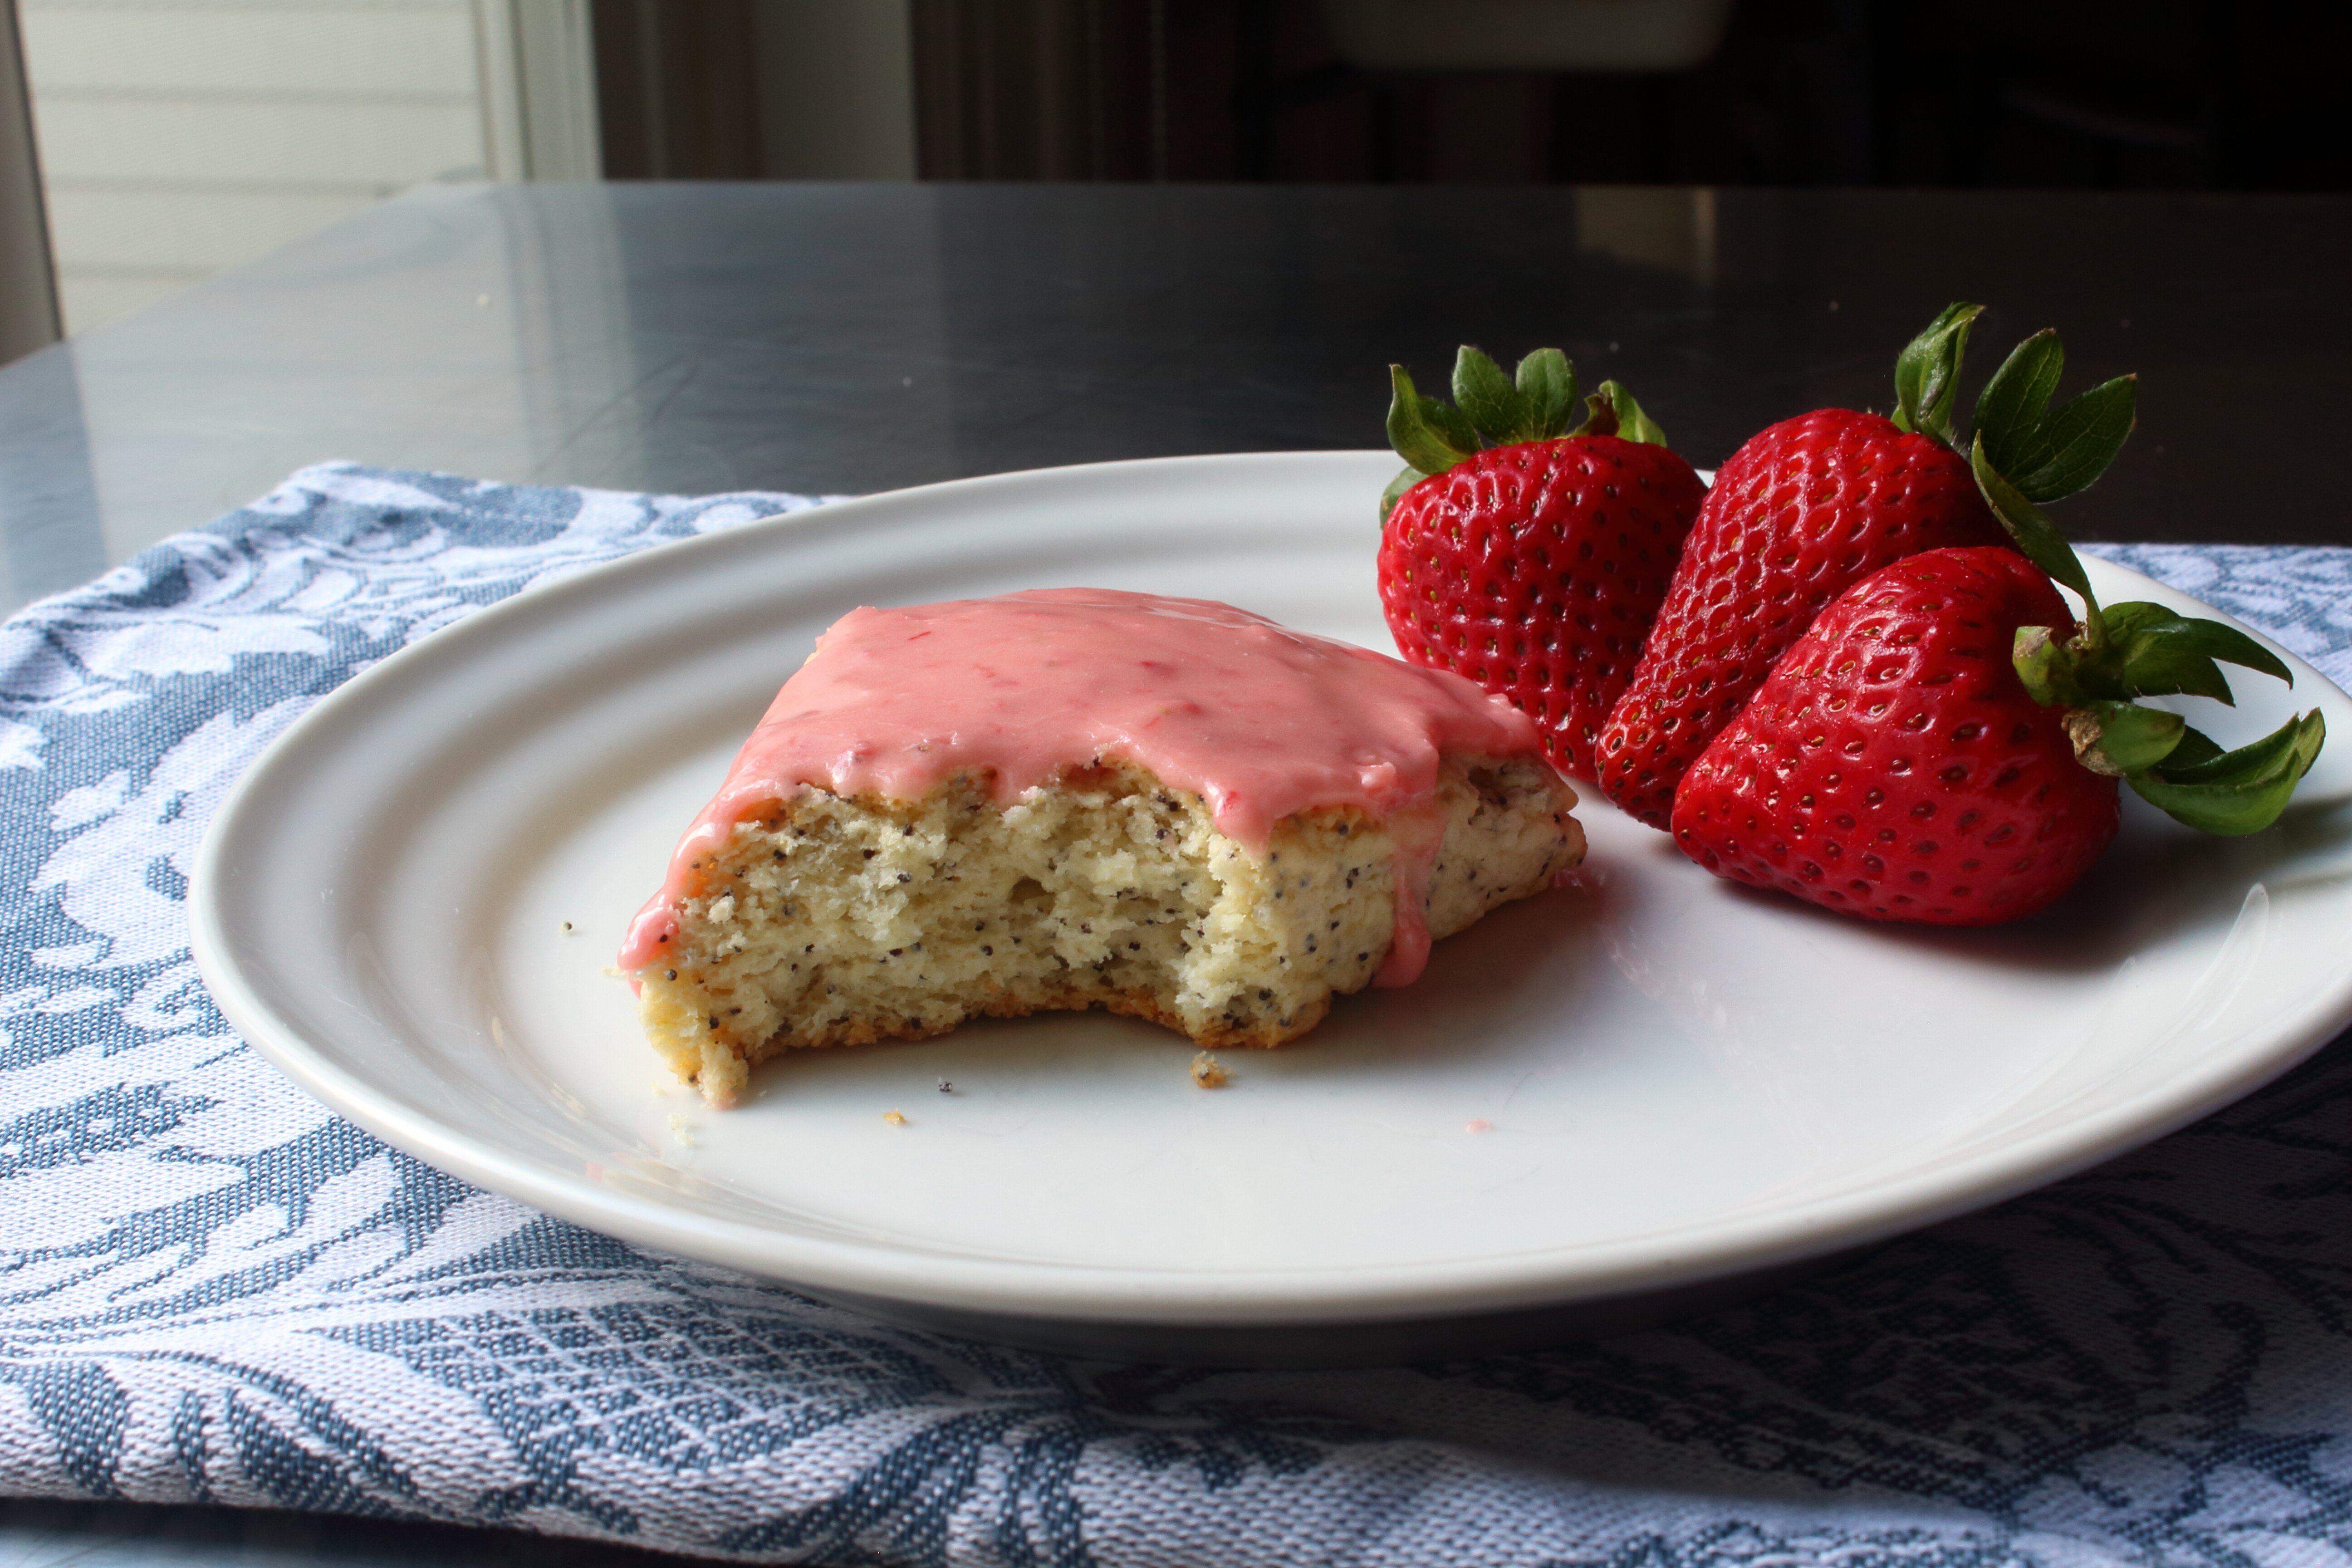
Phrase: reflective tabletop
(846, 338)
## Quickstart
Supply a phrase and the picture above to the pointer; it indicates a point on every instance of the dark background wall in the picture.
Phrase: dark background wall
(2092, 94)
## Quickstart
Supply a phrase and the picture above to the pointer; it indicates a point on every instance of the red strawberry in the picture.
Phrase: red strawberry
(1943, 743)
(1893, 766)
(1798, 515)
(1534, 568)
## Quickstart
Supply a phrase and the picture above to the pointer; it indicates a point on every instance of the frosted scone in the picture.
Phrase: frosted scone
(1081, 798)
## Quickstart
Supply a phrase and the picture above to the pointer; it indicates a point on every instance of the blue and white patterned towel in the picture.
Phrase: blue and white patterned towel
(211, 1289)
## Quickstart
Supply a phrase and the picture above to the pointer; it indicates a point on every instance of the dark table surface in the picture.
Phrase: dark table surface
(702, 338)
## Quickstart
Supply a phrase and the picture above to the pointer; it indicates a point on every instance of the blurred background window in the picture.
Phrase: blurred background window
(179, 136)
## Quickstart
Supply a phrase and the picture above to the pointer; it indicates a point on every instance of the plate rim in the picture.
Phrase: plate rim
(901, 1269)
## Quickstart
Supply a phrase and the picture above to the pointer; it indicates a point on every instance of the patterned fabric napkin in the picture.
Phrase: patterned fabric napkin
(212, 1291)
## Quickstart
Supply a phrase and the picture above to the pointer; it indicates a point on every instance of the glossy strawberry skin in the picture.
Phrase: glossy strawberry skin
(1892, 765)
(1798, 515)
(1536, 569)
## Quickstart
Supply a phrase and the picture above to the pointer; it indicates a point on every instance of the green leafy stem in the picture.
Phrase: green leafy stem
(2026, 455)
(1491, 409)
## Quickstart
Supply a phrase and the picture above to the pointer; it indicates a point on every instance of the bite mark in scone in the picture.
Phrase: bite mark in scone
(867, 876)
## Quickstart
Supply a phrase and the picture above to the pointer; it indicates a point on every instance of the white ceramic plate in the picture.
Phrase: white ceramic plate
(1623, 1088)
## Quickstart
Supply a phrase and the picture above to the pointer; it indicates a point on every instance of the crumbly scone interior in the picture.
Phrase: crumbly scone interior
(831, 920)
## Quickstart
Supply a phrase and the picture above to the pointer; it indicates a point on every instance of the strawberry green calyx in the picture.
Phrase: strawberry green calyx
(1492, 409)
(2128, 652)
(1533, 404)
(1613, 411)
(2046, 456)
(1927, 373)
(2231, 793)
(2024, 454)
(2043, 455)
(1425, 433)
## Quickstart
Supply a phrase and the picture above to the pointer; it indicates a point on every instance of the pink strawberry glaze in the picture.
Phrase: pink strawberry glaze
(1258, 720)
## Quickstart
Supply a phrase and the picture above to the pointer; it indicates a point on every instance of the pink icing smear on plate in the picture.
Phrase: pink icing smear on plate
(1258, 720)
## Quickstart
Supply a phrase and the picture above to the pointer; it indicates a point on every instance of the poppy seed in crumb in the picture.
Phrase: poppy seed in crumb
(1061, 860)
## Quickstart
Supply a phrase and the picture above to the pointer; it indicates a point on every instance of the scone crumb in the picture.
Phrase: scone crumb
(1208, 1071)
(826, 919)
(681, 1129)
(894, 1118)
(567, 928)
